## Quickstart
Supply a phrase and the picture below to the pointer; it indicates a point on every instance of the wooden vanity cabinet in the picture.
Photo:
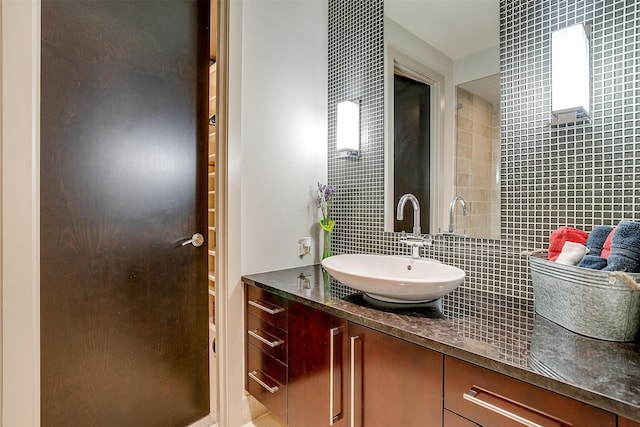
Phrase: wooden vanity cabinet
(625, 422)
(313, 369)
(492, 399)
(455, 420)
(266, 342)
(295, 360)
(388, 381)
(393, 382)
(318, 370)
(317, 386)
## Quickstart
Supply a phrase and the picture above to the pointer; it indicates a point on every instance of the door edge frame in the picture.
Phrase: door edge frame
(21, 23)
(222, 107)
(235, 406)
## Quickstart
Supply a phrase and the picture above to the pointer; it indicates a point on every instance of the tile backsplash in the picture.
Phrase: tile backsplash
(579, 176)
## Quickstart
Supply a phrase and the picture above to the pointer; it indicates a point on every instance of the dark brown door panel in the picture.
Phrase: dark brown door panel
(123, 183)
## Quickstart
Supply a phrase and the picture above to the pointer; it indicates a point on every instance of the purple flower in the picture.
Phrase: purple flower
(323, 199)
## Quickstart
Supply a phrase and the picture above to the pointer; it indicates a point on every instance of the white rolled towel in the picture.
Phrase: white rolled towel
(572, 253)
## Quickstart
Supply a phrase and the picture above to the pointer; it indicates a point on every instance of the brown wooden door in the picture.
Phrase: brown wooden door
(123, 184)
(396, 383)
(316, 344)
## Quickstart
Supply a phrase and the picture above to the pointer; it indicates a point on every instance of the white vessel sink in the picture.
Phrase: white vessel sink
(394, 278)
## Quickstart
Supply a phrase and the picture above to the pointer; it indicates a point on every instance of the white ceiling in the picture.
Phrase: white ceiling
(456, 28)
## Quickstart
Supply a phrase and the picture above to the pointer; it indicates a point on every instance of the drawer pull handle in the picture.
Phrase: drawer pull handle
(473, 396)
(268, 308)
(275, 343)
(333, 371)
(356, 381)
(254, 376)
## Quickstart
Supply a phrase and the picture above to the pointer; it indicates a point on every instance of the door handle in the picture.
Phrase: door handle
(196, 240)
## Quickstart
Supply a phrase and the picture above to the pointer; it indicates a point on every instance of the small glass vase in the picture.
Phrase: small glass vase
(327, 226)
(326, 251)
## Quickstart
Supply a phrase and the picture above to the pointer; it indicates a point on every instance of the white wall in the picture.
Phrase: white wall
(277, 151)
(284, 128)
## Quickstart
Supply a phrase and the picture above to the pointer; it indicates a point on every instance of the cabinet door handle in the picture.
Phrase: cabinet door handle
(545, 420)
(275, 343)
(333, 371)
(356, 382)
(268, 308)
(254, 376)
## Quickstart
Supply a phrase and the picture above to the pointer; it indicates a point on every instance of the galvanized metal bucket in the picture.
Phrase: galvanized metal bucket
(598, 304)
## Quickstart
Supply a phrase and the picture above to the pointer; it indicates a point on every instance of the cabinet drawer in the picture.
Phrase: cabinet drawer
(492, 399)
(266, 380)
(267, 306)
(455, 420)
(625, 422)
(267, 337)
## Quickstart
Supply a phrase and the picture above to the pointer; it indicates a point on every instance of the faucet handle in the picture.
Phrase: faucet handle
(422, 240)
(416, 242)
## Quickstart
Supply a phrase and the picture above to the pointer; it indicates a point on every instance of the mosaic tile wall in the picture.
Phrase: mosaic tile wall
(578, 176)
(356, 73)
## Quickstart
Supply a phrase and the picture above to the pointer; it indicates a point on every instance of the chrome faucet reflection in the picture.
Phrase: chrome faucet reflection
(452, 211)
(415, 240)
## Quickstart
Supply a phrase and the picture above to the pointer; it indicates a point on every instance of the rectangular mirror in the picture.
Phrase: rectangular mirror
(414, 99)
(426, 60)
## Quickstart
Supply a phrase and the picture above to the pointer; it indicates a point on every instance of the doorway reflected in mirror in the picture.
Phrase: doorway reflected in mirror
(412, 145)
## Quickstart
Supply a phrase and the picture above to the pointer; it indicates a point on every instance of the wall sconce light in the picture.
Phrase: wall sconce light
(348, 130)
(570, 76)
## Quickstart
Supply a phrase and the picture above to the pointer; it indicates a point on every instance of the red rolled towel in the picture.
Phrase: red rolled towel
(562, 235)
(606, 248)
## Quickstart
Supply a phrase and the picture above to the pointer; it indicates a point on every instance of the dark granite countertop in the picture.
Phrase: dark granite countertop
(494, 331)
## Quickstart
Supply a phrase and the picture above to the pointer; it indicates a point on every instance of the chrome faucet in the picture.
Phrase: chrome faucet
(415, 240)
(452, 211)
(416, 212)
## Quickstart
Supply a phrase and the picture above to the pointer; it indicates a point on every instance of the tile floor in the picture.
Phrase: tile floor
(267, 420)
